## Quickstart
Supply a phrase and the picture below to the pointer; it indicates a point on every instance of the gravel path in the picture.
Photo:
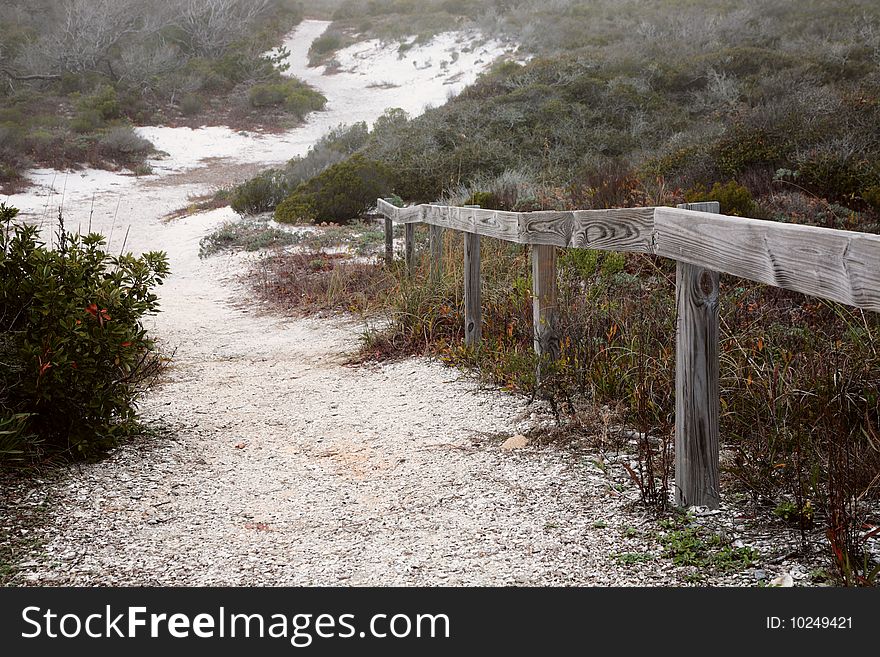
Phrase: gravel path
(283, 465)
(276, 463)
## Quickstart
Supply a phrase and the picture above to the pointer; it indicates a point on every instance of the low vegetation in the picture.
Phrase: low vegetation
(74, 350)
(312, 282)
(76, 75)
(338, 194)
(268, 190)
(359, 239)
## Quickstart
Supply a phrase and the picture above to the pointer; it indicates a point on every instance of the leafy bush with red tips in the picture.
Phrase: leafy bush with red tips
(74, 350)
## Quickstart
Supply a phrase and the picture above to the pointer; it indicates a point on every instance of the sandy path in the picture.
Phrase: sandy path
(281, 465)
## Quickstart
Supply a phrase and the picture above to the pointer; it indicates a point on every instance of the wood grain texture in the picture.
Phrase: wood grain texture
(838, 265)
(696, 387)
(490, 223)
(544, 300)
(627, 229)
(436, 241)
(697, 383)
(473, 314)
(386, 209)
(389, 241)
(409, 247)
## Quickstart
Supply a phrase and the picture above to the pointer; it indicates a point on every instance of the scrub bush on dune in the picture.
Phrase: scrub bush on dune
(338, 194)
(75, 352)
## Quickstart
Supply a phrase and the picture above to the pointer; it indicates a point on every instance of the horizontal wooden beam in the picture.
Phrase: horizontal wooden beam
(839, 265)
(626, 229)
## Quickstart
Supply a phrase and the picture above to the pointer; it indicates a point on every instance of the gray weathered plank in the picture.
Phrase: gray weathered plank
(491, 223)
(389, 241)
(838, 265)
(385, 208)
(627, 229)
(436, 241)
(409, 247)
(544, 300)
(696, 382)
(833, 264)
(696, 387)
(473, 314)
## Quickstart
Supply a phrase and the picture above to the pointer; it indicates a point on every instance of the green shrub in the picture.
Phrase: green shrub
(325, 44)
(836, 176)
(871, 196)
(191, 105)
(260, 194)
(13, 436)
(11, 136)
(264, 95)
(296, 209)
(104, 102)
(486, 200)
(296, 97)
(744, 146)
(264, 192)
(72, 336)
(734, 198)
(87, 121)
(340, 193)
(302, 101)
(124, 144)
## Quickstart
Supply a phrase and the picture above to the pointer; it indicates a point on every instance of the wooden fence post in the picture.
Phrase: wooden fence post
(409, 247)
(389, 241)
(544, 300)
(473, 313)
(436, 252)
(696, 382)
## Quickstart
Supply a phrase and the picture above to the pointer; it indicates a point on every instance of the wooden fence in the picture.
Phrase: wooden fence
(838, 265)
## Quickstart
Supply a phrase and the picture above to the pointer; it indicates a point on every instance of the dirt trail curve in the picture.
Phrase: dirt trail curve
(281, 465)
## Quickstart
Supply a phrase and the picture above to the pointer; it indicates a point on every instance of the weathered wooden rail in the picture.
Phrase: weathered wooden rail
(837, 265)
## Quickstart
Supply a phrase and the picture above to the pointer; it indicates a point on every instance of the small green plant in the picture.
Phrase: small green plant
(632, 558)
(324, 45)
(696, 547)
(191, 105)
(486, 200)
(123, 144)
(260, 194)
(600, 524)
(13, 435)
(104, 102)
(294, 96)
(247, 235)
(791, 512)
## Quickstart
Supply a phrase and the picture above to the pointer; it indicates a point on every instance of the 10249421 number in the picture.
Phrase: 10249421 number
(809, 623)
